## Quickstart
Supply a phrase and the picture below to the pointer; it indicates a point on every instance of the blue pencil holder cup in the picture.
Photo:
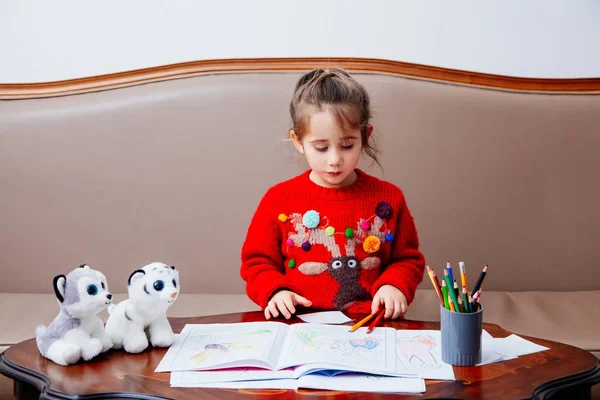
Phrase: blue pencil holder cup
(461, 337)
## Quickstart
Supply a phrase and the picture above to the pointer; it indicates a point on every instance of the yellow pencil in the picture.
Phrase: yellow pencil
(463, 274)
(361, 322)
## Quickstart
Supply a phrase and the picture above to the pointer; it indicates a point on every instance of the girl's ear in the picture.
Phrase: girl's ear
(369, 132)
(296, 141)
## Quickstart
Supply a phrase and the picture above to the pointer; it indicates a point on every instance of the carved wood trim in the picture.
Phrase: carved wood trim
(188, 69)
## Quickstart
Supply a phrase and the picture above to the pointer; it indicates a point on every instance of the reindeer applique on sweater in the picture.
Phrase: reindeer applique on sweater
(344, 266)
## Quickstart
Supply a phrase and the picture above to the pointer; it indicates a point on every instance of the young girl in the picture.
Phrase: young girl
(333, 237)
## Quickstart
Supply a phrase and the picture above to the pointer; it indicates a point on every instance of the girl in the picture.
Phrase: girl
(333, 237)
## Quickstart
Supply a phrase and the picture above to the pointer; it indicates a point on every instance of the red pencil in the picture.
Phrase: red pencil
(376, 321)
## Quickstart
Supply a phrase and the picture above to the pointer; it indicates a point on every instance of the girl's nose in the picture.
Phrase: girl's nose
(334, 158)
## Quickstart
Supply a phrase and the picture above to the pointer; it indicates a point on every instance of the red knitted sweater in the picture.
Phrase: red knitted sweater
(335, 247)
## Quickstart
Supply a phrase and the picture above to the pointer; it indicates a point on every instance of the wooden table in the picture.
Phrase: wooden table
(561, 372)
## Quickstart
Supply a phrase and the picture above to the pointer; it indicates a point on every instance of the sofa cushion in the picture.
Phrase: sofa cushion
(22, 312)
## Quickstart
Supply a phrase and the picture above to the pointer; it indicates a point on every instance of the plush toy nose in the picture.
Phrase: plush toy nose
(109, 296)
(173, 295)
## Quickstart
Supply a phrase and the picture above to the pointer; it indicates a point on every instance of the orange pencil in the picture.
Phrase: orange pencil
(451, 304)
(436, 284)
(376, 321)
(361, 322)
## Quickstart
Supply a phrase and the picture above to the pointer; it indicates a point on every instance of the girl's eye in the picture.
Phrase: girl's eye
(92, 290)
(159, 285)
(321, 149)
(347, 147)
(174, 283)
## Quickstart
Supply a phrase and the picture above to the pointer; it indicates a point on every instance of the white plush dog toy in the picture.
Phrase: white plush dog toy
(143, 315)
(77, 331)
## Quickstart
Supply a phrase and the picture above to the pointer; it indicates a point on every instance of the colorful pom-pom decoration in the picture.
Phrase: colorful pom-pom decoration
(371, 244)
(289, 242)
(306, 246)
(283, 217)
(292, 264)
(330, 230)
(389, 237)
(383, 210)
(311, 219)
(349, 233)
(364, 225)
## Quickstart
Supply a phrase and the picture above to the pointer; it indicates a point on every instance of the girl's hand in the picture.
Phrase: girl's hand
(392, 299)
(284, 302)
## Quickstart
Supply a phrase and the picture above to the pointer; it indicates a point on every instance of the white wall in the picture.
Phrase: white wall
(63, 39)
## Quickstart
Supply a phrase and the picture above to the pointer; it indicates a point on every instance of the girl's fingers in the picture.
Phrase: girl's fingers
(389, 308)
(289, 303)
(301, 300)
(273, 309)
(375, 304)
(397, 309)
(283, 309)
(267, 313)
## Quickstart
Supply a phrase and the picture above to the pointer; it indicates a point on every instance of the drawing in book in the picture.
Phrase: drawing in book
(419, 350)
(322, 343)
(212, 349)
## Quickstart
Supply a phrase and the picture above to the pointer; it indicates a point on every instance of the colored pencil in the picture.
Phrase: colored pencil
(449, 269)
(445, 293)
(451, 304)
(465, 300)
(479, 280)
(461, 307)
(376, 321)
(361, 322)
(456, 289)
(451, 290)
(436, 284)
(474, 301)
(463, 274)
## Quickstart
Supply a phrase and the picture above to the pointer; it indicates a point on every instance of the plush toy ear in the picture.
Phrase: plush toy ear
(172, 267)
(134, 273)
(84, 266)
(59, 287)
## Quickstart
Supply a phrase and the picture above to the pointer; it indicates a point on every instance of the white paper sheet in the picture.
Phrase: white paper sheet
(325, 317)
(346, 382)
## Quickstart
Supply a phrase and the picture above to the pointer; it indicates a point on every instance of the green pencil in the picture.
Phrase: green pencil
(445, 294)
(466, 300)
(451, 291)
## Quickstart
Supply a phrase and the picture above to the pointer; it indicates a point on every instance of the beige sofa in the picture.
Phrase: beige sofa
(172, 171)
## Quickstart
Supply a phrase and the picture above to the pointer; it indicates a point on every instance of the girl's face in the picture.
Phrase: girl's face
(332, 155)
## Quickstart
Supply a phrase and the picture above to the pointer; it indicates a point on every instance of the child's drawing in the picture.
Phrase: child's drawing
(418, 350)
(212, 349)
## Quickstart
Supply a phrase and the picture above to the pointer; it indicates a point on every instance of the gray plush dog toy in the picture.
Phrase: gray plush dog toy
(77, 331)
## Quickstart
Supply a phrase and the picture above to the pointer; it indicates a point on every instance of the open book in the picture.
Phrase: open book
(278, 350)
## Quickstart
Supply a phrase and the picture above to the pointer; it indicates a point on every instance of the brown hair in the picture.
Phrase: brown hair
(335, 90)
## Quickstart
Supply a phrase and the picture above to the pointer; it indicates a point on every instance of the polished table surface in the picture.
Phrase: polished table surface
(562, 372)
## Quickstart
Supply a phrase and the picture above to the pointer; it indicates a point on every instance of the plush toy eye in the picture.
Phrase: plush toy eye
(352, 263)
(174, 283)
(336, 264)
(159, 285)
(92, 290)
(103, 287)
